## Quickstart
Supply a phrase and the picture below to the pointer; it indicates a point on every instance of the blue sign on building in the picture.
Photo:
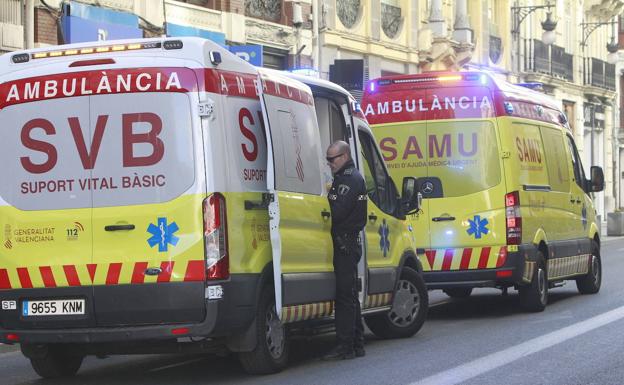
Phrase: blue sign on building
(250, 53)
(181, 30)
(84, 23)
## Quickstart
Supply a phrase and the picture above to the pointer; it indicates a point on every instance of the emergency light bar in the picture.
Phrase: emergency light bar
(169, 44)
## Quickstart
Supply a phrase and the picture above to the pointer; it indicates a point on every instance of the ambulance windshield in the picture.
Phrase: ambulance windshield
(462, 153)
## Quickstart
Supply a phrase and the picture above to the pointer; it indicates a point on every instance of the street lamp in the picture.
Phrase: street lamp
(521, 12)
(612, 46)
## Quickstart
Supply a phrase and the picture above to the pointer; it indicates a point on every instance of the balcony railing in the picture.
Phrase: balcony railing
(598, 73)
(550, 60)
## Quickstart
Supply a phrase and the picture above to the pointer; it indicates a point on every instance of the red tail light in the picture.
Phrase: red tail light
(215, 238)
(514, 220)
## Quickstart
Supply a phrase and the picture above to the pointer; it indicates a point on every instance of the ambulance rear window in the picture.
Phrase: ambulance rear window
(97, 151)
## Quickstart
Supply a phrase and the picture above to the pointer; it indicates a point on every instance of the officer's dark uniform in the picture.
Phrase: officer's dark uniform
(347, 201)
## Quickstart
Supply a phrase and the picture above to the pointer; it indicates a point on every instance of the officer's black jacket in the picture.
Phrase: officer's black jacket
(347, 200)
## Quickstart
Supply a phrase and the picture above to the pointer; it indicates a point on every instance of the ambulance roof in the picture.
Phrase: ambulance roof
(186, 48)
(436, 95)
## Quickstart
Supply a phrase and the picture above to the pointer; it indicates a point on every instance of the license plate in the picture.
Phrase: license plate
(53, 307)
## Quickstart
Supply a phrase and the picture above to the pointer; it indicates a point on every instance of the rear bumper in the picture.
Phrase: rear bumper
(510, 274)
(211, 318)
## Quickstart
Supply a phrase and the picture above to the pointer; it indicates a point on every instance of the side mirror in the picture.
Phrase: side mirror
(596, 182)
(411, 199)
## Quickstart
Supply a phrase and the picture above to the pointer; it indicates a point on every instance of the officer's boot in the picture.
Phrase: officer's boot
(340, 352)
(358, 348)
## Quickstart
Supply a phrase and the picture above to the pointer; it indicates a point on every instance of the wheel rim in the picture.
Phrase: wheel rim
(274, 334)
(541, 284)
(595, 266)
(405, 305)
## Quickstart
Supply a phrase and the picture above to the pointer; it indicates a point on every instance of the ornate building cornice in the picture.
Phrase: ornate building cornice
(272, 33)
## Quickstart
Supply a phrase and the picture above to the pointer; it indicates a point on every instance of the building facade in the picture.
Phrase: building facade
(350, 41)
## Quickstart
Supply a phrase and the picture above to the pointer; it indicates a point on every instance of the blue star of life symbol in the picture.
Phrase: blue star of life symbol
(384, 242)
(478, 226)
(162, 234)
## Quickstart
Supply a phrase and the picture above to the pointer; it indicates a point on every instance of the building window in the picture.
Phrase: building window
(274, 58)
(348, 12)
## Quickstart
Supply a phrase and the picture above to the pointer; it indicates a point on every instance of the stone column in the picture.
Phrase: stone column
(462, 32)
(437, 24)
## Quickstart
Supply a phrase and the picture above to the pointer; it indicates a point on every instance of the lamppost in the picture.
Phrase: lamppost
(520, 13)
(612, 46)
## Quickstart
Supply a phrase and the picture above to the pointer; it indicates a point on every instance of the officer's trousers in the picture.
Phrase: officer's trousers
(347, 254)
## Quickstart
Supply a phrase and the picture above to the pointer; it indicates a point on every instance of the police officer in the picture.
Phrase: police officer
(347, 201)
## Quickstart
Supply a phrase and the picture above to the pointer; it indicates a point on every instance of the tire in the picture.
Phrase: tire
(590, 283)
(410, 305)
(458, 292)
(56, 362)
(534, 297)
(271, 352)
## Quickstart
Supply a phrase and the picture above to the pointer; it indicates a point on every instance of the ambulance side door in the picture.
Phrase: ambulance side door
(299, 216)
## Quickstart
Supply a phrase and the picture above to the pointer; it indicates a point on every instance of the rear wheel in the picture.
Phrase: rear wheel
(271, 352)
(590, 283)
(458, 292)
(53, 361)
(409, 308)
(534, 297)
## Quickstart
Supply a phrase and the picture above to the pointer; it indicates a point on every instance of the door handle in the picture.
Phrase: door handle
(118, 227)
(441, 219)
(325, 214)
(372, 217)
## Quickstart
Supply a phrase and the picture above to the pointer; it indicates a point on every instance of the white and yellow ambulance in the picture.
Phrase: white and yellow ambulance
(507, 203)
(164, 195)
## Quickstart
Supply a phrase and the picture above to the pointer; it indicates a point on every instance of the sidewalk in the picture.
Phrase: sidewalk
(603, 234)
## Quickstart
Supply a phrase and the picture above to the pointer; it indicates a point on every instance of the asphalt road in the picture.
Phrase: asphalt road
(484, 339)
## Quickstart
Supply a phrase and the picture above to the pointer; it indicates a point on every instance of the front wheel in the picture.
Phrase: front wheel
(590, 283)
(534, 297)
(271, 352)
(409, 308)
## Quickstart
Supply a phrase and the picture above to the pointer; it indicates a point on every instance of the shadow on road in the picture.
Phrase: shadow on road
(488, 305)
(190, 369)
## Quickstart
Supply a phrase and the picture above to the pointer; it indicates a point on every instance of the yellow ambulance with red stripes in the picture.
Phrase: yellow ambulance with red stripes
(164, 195)
(507, 202)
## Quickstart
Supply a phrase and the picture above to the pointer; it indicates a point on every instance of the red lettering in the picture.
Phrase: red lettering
(151, 137)
(435, 149)
(462, 148)
(88, 158)
(383, 144)
(412, 147)
(519, 146)
(252, 154)
(37, 145)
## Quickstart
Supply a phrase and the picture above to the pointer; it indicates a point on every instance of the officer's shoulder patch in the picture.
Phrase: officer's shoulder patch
(343, 189)
(348, 171)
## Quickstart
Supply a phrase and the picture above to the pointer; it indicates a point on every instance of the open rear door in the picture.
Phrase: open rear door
(298, 211)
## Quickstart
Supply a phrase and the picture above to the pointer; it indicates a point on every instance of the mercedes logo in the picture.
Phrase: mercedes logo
(427, 188)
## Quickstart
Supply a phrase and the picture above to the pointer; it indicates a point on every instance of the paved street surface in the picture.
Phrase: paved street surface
(482, 340)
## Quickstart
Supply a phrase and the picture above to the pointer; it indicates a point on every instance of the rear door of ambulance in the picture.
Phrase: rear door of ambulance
(147, 189)
(45, 215)
(467, 220)
(103, 193)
